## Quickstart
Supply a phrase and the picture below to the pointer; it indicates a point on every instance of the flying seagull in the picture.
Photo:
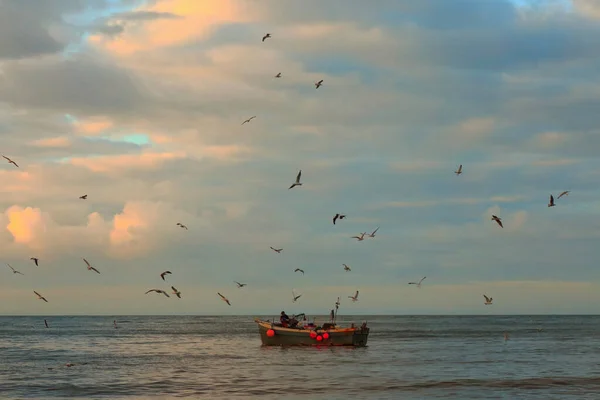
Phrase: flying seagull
(268, 35)
(373, 233)
(551, 204)
(158, 291)
(10, 161)
(565, 193)
(459, 170)
(176, 292)
(498, 220)
(84, 197)
(336, 216)
(488, 300)
(295, 296)
(276, 250)
(355, 297)
(35, 260)
(361, 237)
(299, 270)
(14, 270)
(179, 224)
(240, 285)
(224, 298)
(248, 120)
(346, 268)
(318, 84)
(417, 283)
(40, 296)
(278, 75)
(89, 266)
(297, 183)
(165, 273)
(46, 323)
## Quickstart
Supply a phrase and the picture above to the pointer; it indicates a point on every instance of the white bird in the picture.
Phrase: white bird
(498, 220)
(417, 283)
(295, 296)
(268, 35)
(361, 237)
(276, 250)
(249, 119)
(355, 297)
(551, 203)
(224, 298)
(299, 270)
(40, 296)
(346, 268)
(297, 183)
(240, 285)
(565, 193)
(158, 291)
(14, 270)
(176, 292)
(488, 300)
(278, 75)
(318, 84)
(11, 161)
(373, 234)
(89, 266)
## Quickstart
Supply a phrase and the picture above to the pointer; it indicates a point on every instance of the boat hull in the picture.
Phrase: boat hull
(356, 337)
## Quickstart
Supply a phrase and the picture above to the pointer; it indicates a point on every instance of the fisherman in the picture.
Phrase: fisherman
(284, 319)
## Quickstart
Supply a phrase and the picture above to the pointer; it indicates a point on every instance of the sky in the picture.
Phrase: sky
(139, 105)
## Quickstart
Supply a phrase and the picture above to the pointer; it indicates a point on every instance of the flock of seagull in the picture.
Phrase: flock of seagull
(296, 183)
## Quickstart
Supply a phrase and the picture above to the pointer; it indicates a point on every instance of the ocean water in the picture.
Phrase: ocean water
(408, 357)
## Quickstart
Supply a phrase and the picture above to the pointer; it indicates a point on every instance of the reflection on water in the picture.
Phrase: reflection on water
(221, 357)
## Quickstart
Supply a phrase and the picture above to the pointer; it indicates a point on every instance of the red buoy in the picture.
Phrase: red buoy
(313, 334)
(270, 333)
(325, 335)
(319, 338)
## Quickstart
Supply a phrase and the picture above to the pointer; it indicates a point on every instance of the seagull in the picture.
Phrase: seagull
(268, 35)
(340, 216)
(240, 285)
(346, 268)
(355, 297)
(248, 120)
(551, 204)
(417, 283)
(294, 296)
(488, 300)
(10, 161)
(373, 233)
(84, 197)
(165, 273)
(14, 270)
(89, 266)
(361, 237)
(299, 270)
(35, 260)
(158, 291)
(40, 296)
(278, 75)
(181, 225)
(176, 292)
(224, 298)
(318, 84)
(276, 250)
(498, 220)
(565, 193)
(297, 183)
(459, 170)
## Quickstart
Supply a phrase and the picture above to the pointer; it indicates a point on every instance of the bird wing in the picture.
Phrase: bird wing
(375, 231)
(86, 261)
(486, 298)
(151, 290)
(356, 295)
(34, 290)
(335, 217)
(94, 269)
(422, 279)
(500, 223)
(298, 177)
(165, 293)
(8, 159)
(10, 267)
(460, 168)
(173, 287)
(551, 199)
(223, 297)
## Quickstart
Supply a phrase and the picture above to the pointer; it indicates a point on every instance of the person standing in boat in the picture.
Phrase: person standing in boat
(284, 319)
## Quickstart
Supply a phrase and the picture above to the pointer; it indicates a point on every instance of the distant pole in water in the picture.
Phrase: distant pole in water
(46, 323)
(337, 305)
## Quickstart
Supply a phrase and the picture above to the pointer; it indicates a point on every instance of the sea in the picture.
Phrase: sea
(221, 357)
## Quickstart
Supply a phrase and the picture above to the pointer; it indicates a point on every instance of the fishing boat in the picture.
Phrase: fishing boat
(329, 334)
